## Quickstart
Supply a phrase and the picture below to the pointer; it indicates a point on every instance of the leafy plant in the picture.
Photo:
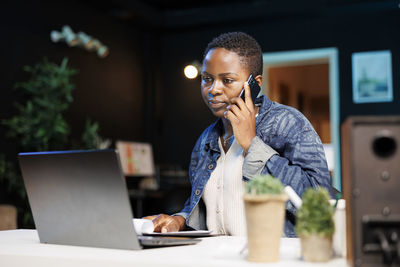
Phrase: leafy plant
(91, 138)
(316, 214)
(39, 125)
(264, 184)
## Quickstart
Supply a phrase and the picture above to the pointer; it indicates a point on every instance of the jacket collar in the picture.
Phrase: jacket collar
(215, 131)
(264, 104)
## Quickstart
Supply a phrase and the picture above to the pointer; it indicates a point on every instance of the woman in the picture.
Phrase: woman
(247, 139)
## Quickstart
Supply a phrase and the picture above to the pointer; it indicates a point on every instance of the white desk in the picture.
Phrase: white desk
(22, 248)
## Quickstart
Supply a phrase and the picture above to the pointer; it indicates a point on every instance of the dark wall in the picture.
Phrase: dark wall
(139, 92)
(108, 90)
(350, 30)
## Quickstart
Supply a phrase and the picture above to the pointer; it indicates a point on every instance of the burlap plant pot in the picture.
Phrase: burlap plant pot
(265, 218)
(8, 217)
(316, 248)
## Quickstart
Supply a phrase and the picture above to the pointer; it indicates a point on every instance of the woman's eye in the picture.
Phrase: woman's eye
(207, 79)
(228, 80)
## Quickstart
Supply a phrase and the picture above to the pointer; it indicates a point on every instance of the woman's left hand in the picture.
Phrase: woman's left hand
(242, 115)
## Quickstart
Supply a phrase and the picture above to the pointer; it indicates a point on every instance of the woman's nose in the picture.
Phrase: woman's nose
(215, 88)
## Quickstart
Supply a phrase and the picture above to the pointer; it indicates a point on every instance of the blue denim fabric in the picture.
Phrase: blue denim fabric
(286, 146)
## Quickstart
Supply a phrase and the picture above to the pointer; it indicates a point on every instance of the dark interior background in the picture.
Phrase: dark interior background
(139, 92)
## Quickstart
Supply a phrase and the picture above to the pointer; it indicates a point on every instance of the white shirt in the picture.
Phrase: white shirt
(223, 193)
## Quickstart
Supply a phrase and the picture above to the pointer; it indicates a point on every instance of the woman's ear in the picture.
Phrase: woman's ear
(259, 78)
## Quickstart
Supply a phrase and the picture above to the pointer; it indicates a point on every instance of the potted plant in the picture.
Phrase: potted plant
(39, 124)
(264, 202)
(315, 225)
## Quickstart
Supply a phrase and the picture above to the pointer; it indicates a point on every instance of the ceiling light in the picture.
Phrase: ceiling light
(192, 70)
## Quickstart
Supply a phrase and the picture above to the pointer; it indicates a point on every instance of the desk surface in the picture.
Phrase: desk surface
(22, 248)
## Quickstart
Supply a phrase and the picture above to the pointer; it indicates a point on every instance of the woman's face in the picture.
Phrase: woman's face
(222, 78)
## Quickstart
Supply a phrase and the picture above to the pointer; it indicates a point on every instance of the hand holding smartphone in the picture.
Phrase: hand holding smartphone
(254, 89)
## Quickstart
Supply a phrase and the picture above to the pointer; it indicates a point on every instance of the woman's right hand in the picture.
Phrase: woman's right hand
(165, 223)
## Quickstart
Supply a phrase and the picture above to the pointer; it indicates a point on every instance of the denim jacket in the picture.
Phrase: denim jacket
(286, 146)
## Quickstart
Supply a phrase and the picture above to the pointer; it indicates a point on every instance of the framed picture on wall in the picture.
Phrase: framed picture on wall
(372, 76)
(136, 158)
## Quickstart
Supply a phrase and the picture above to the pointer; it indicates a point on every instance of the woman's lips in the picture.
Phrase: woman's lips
(216, 104)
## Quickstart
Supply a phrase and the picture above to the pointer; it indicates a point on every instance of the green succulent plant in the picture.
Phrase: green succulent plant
(264, 184)
(315, 215)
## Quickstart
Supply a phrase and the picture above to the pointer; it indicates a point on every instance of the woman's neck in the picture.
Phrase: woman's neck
(227, 134)
(228, 130)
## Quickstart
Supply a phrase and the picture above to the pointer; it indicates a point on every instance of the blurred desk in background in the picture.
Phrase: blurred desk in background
(165, 193)
(22, 248)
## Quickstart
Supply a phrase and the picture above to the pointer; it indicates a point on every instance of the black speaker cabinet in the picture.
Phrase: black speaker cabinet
(371, 187)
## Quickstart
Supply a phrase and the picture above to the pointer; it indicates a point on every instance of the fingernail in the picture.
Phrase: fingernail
(163, 230)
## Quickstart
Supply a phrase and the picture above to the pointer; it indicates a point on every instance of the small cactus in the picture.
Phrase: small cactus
(264, 184)
(316, 214)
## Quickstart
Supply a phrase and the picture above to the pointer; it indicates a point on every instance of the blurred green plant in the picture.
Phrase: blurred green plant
(264, 184)
(39, 125)
(315, 215)
(90, 137)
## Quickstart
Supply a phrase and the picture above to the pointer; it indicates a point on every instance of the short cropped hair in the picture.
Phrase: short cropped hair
(242, 44)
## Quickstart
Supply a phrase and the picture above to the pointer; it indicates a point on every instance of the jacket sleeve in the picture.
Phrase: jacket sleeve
(185, 211)
(301, 164)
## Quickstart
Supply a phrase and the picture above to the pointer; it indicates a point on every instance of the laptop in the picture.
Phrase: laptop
(80, 198)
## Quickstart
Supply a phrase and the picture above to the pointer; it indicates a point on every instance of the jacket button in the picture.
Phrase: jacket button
(211, 166)
(197, 192)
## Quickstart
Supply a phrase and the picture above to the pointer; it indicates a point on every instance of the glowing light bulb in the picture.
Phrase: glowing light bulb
(191, 72)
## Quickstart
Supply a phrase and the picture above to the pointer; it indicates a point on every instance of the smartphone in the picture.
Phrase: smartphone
(254, 88)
